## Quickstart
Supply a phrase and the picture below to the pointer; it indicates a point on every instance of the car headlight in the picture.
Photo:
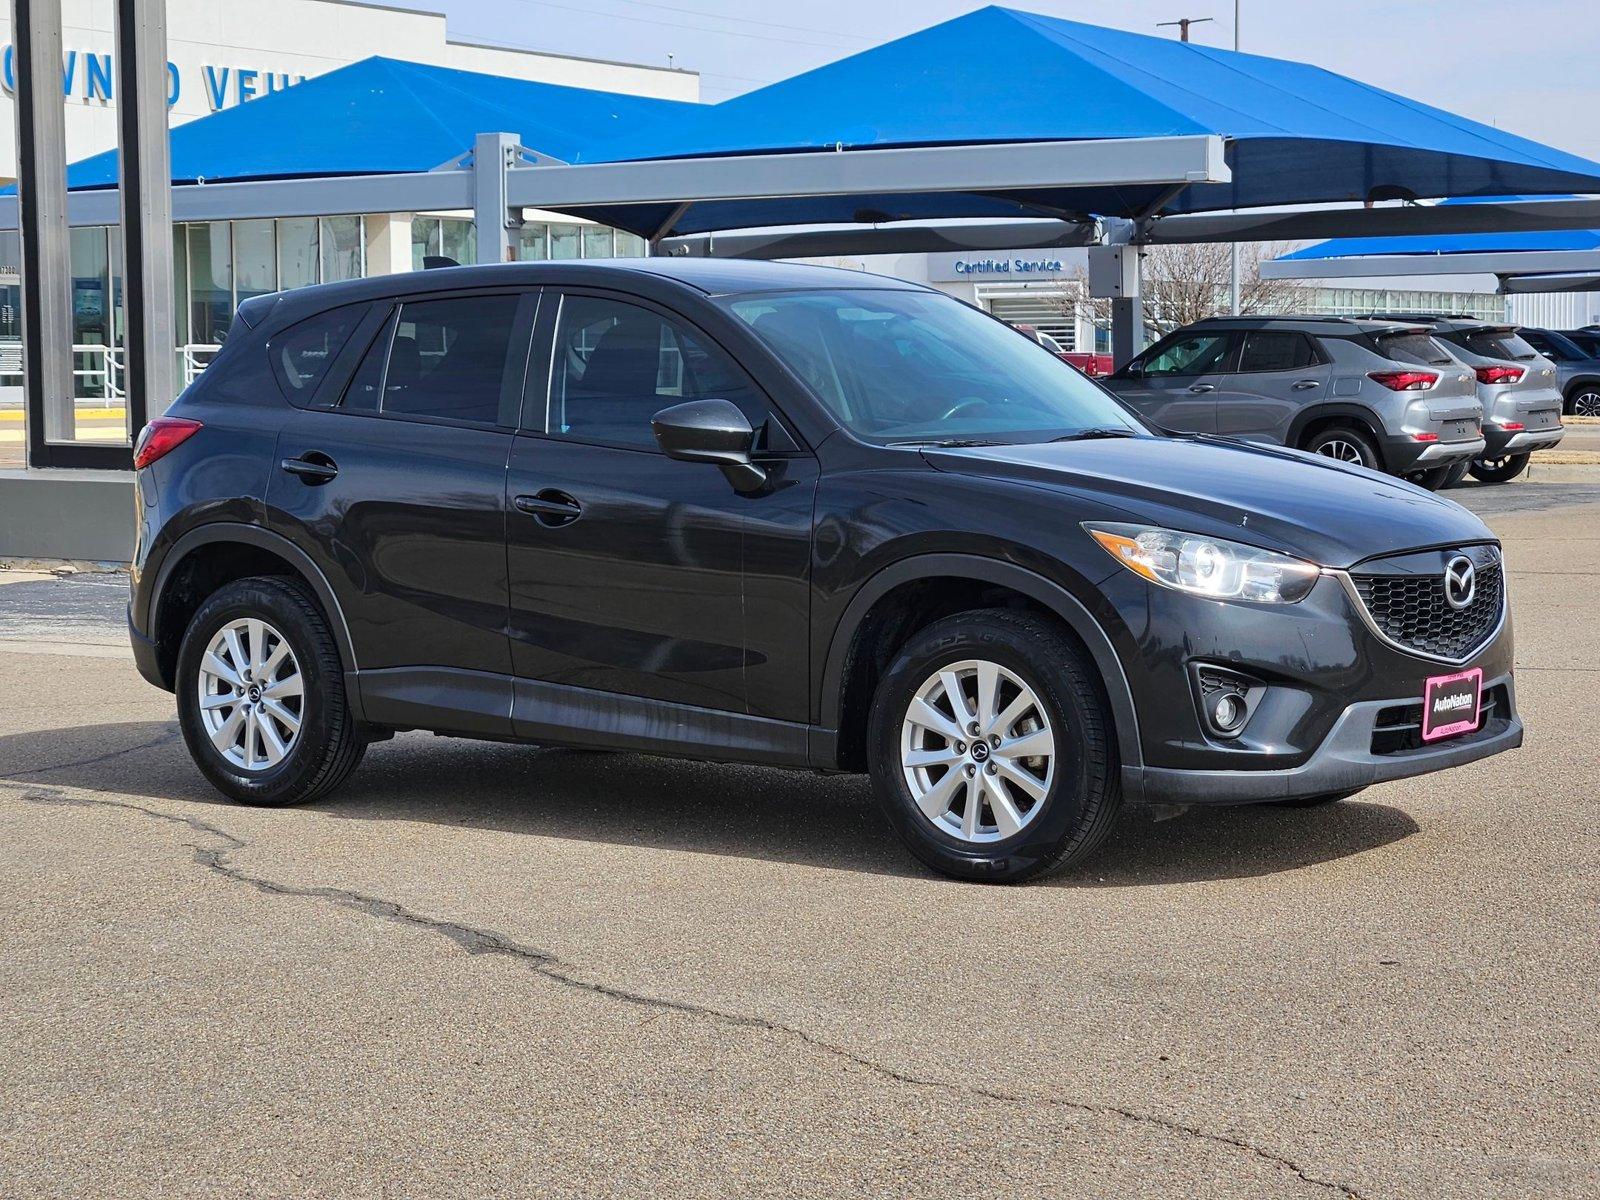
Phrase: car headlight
(1205, 566)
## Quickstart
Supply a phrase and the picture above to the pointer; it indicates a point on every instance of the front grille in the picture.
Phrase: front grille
(1412, 611)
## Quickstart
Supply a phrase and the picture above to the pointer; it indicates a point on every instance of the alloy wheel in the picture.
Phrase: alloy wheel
(252, 695)
(1586, 404)
(1342, 450)
(977, 751)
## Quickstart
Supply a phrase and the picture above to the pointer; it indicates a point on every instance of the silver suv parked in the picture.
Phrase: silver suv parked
(1384, 394)
(1519, 388)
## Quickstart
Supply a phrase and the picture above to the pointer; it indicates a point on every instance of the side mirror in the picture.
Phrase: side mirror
(710, 431)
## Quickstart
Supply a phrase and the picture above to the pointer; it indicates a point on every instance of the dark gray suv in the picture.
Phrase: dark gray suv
(1380, 393)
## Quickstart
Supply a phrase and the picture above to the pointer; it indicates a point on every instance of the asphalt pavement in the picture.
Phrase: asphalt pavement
(503, 971)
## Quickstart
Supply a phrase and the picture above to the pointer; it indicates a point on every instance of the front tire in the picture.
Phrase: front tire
(261, 699)
(992, 749)
(1498, 470)
(1346, 444)
(1584, 401)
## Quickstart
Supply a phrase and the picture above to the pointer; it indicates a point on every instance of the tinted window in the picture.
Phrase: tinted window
(366, 385)
(1416, 348)
(449, 358)
(920, 366)
(302, 354)
(1497, 343)
(1588, 343)
(616, 365)
(1273, 350)
(1189, 354)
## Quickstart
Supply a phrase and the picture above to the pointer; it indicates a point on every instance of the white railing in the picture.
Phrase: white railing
(102, 368)
(194, 358)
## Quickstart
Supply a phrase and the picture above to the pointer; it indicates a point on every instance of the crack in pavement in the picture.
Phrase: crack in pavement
(545, 964)
(170, 734)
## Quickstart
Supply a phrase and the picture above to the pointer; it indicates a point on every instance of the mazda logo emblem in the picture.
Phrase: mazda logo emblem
(1460, 581)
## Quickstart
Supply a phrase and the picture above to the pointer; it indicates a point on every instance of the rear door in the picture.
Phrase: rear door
(1278, 372)
(1175, 383)
(396, 488)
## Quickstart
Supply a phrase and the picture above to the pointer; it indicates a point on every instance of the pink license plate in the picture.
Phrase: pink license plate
(1452, 704)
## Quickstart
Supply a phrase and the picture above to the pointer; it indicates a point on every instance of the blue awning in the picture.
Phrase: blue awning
(1298, 133)
(1455, 243)
(381, 116)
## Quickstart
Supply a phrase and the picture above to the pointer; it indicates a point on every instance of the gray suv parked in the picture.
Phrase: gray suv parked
(1577, 357)
(1519, 388)
(1384, 394)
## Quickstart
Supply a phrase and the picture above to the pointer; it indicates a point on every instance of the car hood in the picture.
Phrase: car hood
(1314, 508)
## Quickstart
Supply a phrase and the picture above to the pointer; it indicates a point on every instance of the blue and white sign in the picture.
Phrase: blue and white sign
(1012, 266)
(88, 76)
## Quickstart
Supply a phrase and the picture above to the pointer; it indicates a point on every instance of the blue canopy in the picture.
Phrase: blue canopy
(380, 116)
(1298, 133)
(1454, 243)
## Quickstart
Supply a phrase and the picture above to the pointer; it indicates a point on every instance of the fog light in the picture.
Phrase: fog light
(1228, 712)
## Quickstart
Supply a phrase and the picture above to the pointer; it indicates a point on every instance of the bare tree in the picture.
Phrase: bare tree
(1184, 283)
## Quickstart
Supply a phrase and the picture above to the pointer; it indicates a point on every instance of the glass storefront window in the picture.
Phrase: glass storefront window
(597, 241)
(631, 245)
(563, 241)
(424, 240)
(458, 240)
(343, 249)
(255, 266)
(297, 252)
(210, 282)
(533, 242)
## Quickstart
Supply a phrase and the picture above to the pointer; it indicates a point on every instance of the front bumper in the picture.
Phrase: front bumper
(1343, 762)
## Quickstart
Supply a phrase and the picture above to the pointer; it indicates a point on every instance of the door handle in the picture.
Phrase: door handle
(1204, 387)
(312, 467)
(1301, 385)
(551, 507)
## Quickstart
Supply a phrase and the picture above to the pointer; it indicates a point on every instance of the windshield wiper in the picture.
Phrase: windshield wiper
(945, 443)
(1094, 435)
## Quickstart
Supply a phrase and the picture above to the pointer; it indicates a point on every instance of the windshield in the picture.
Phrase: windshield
(903, 366)
(1498, 343)
(1589, 343)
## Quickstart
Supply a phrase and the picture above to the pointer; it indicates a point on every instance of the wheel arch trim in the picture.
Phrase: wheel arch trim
(1036, 587)
(1365, 417)
(217, 532)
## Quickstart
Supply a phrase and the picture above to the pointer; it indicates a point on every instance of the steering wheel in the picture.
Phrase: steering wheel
(961, 406)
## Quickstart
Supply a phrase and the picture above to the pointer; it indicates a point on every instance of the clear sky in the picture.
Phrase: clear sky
(1529, 66)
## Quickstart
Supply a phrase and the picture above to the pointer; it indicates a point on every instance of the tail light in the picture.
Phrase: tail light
(1424, 437)
(1405, 381)
(160, 437)
(1499, 374)
(1512, 426)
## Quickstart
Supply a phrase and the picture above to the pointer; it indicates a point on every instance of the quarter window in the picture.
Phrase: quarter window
(616, 365)
(302, 354)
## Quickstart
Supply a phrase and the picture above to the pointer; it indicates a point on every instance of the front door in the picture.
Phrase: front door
(1278, 373)
(398, 492)
(1175, 384)
(634, 575)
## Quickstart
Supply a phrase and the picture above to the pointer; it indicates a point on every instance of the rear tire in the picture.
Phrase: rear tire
(261, 698)
(1498, 470)
(1432, 480)
(1584, 401)
(1346, 444)
(965, 804)
(1457, 474)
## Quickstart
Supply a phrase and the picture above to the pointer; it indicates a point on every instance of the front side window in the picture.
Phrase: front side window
(616, 365)
(898, 366)
(1276, 350)
(1191, 354)
(440, 358)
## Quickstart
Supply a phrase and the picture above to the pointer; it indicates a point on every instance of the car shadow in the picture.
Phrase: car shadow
(746, 812)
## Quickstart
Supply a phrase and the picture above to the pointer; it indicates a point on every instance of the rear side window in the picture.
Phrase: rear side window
(302, 354)
(1416, 348)
(1275, 350)
(442, 358)
(1497, 343)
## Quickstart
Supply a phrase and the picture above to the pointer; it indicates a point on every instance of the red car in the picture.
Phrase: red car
(1092, 365)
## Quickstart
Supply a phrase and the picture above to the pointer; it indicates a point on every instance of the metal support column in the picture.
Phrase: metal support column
(1114, 273)
(146, 200)
(46, 250)
(493, 154)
